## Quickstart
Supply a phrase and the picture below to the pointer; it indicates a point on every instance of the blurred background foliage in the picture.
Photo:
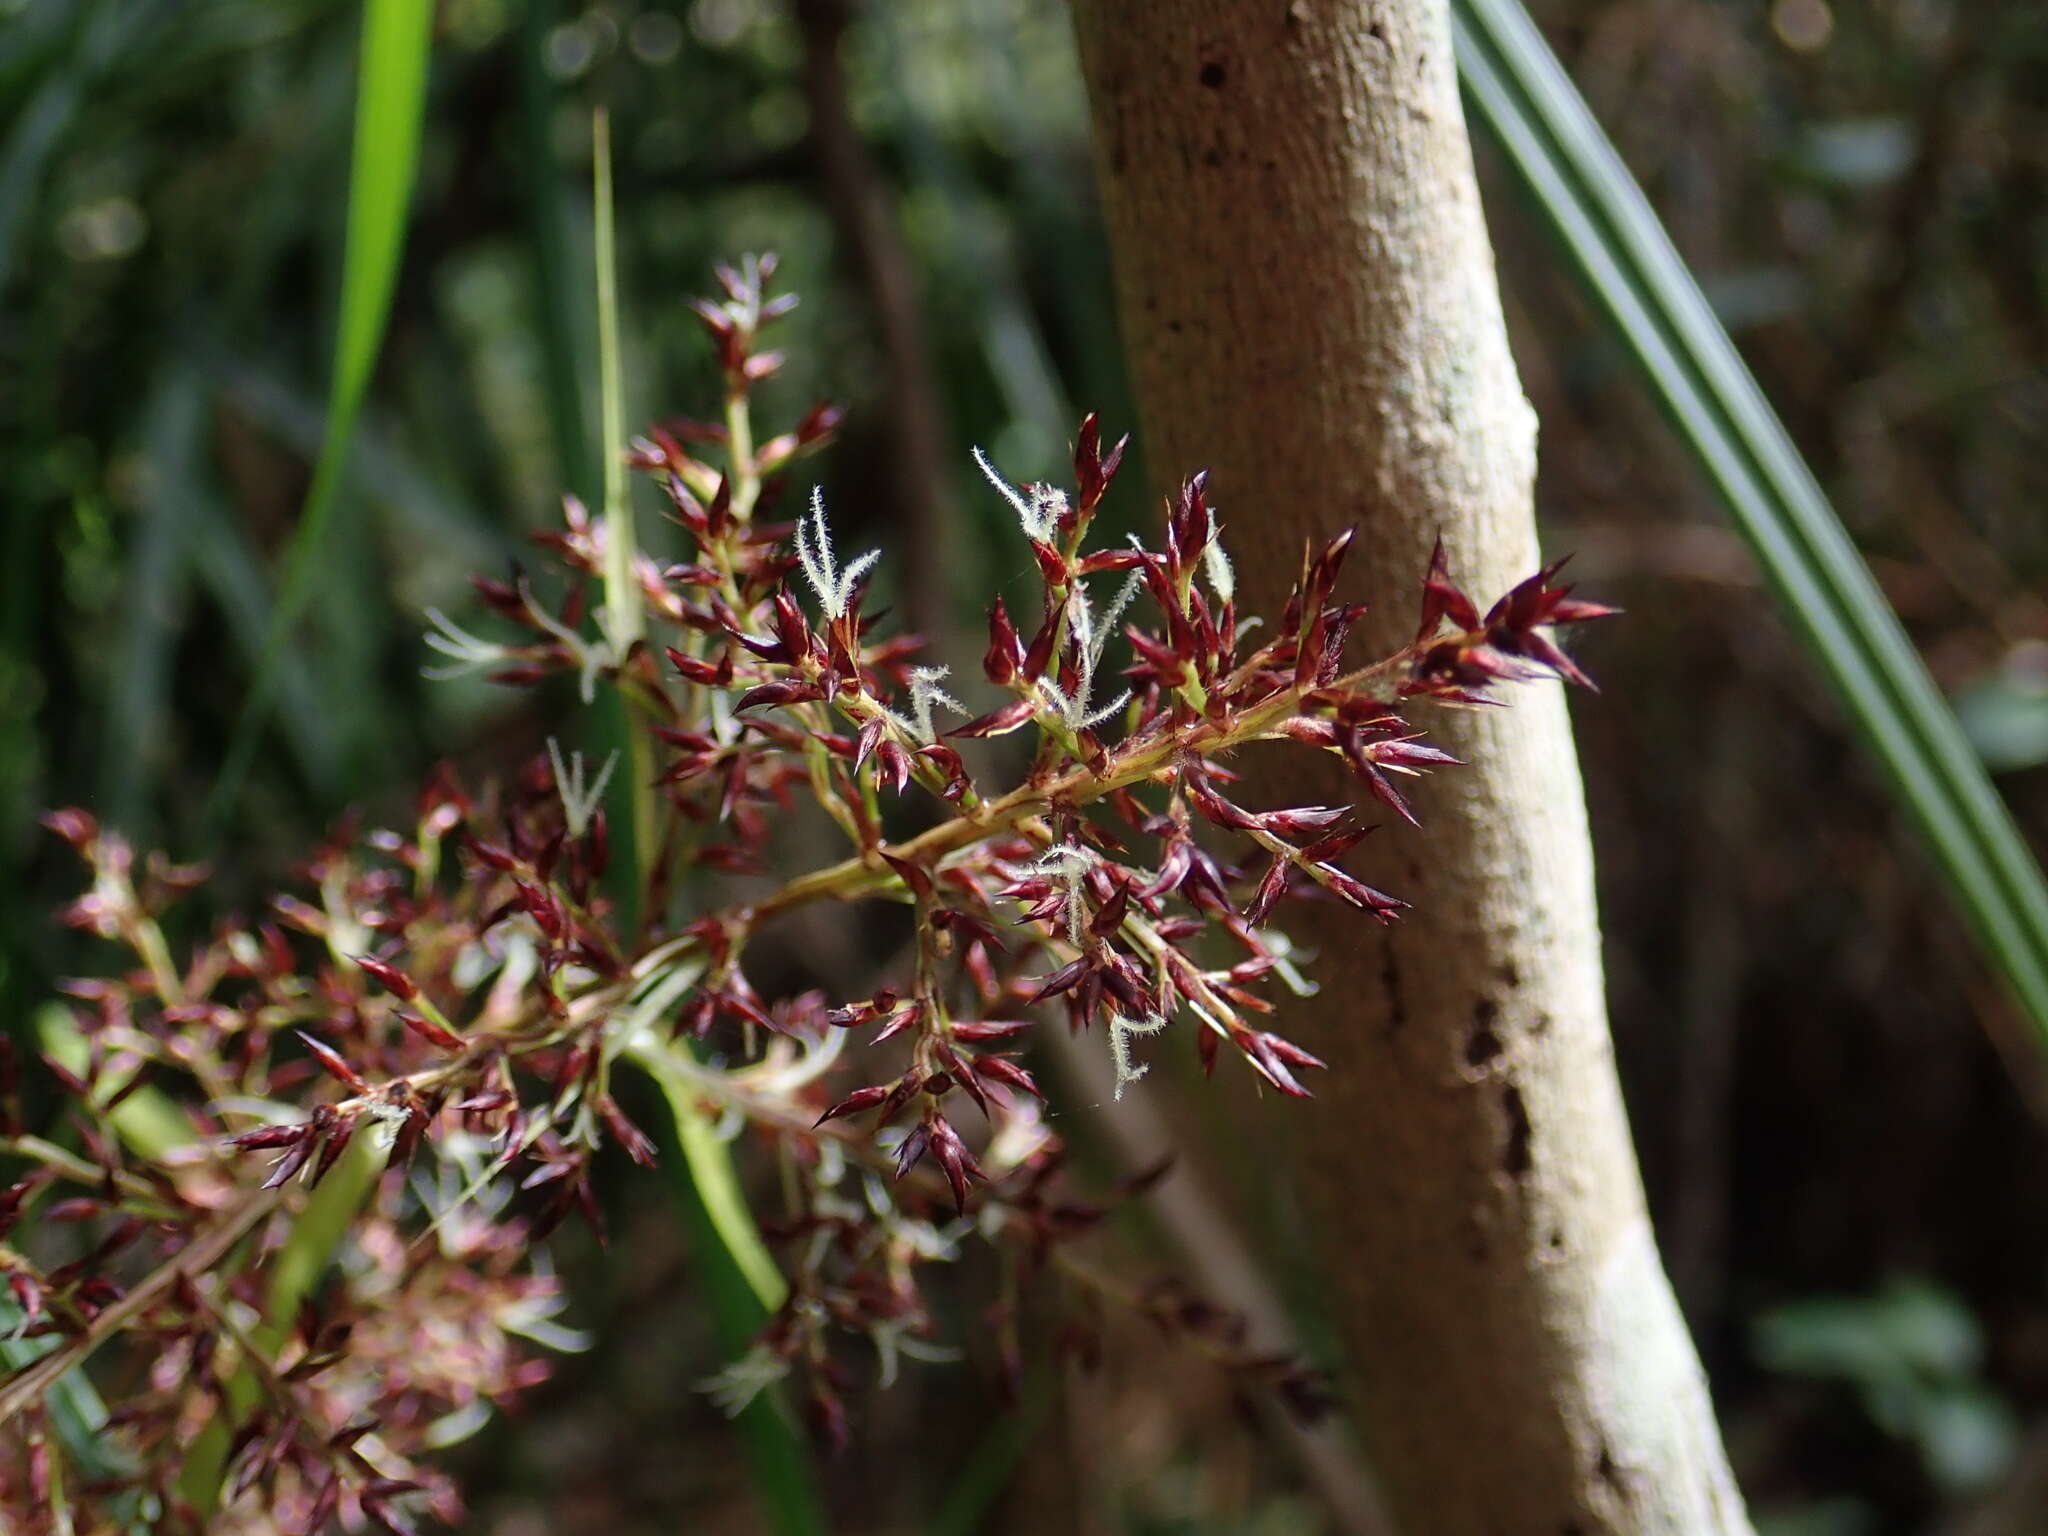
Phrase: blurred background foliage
(1841, 1123)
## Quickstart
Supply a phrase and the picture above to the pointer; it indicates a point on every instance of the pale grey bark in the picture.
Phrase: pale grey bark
(1310, 309)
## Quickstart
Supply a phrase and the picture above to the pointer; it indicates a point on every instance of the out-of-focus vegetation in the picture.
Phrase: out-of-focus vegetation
(1608, 232)
(1848, 1178)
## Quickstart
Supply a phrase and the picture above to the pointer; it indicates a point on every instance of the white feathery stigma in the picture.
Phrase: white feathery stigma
(1039, 513)
(1068, 865)
(924, 693)
(1078, 710)
(578, 803)
(1121, 1029)
(814, 553)
(1106, 626)
(468, 652)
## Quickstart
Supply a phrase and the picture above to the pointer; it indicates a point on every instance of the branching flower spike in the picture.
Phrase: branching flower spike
(433, 1032)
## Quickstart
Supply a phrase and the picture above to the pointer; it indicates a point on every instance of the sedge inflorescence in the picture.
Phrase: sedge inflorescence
(430, 1042)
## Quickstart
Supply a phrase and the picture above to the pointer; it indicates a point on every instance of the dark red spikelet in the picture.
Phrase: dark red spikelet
(984, 1030)
(1005, 654)
(951, 1155)
(1272, 1063)
(894, 763)
(390, 977)
(1001, 1069)
(265, 1136)
(782, 691)
(636, 1142)
(330, 1059)
(855, 1102)
(717, 675)
(998, 722)
(1092, 469)
(1441, 599)
(914, 1147)
(76, 827)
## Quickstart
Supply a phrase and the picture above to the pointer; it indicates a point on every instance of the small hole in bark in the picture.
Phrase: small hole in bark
(1483, 1046)
(1377, 33)
(1390, 984)
(1213, 75)
(1510, 975)
(1515, 1156)
(1555, 1242)
(1608, 1470)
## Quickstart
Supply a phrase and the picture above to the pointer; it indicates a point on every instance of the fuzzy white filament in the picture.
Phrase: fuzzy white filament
(924, 693)
(733, 1388)
(1039, 513)
(578, 805)
(469, 653)
(1120, 1031)
(1074, 710)
(1077, 709)
(814, 553)
(1068, 865)
(1106, 626)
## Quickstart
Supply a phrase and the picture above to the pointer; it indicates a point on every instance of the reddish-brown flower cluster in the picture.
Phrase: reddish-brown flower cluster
(411, 1068)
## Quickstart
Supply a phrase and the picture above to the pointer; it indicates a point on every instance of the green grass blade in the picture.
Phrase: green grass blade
(391, 93)
(739, 1276)
(743, 1287)
(1620, 251)
(717, 1186)
(623, 619)
(147, 1122)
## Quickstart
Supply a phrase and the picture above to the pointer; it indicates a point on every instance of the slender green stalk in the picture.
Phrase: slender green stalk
(740, 1277)
(1629, 267)
(743, 1288)
(624, 620)
(391, 93)
(715, 1185)
(624, 606)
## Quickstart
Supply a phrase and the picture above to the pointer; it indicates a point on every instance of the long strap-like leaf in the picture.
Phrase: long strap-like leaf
(391, 95)
(1620, 251)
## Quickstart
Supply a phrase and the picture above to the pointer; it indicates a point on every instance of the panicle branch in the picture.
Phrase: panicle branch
(437, 1013)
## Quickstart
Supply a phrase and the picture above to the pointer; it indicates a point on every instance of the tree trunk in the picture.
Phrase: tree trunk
(1309, 306)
